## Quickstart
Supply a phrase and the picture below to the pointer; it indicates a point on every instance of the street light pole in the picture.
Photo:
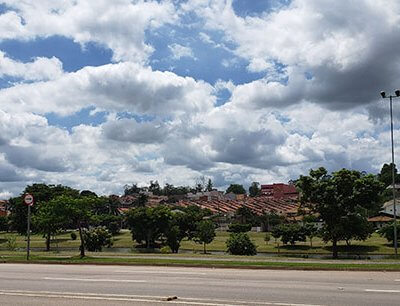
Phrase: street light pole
(383, 94)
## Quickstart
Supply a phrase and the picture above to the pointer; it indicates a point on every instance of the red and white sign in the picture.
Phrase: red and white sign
(28, 199)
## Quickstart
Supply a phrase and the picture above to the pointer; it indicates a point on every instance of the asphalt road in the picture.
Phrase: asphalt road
(22, 284)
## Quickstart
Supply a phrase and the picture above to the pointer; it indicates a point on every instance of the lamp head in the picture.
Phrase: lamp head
(397, 92)
(383, 94)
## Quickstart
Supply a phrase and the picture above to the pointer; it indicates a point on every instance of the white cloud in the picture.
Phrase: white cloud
(178, 51)
(114, 87)
(41, 68)
(120, 26)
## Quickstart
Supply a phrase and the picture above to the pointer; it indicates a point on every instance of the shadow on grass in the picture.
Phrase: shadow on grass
(2, 240)
(59, 240)
(289, 247)
(357, 249)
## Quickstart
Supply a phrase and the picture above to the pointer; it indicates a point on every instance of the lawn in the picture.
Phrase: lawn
(374, 245)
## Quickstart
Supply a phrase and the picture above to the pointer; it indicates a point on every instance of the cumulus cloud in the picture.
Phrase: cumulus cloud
(39, 69)
(120, 26)
(115, 87)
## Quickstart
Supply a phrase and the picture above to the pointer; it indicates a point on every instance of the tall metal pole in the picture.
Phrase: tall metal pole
(393, 179)
(28, 233)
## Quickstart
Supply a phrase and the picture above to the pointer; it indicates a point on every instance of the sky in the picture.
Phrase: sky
(99, 94)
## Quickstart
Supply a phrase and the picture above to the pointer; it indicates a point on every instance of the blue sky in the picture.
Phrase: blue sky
(99, 96)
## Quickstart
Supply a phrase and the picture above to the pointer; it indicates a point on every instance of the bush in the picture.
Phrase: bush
(267, 237)
(240, 244)
(388, 232)
(11, 243)
(97, 237)
(165, 250)
(239, 228)
(73, 236)
(3, 223)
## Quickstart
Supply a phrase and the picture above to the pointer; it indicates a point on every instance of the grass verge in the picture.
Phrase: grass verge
(205, 263)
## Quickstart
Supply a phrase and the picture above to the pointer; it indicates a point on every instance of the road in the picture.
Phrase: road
(31, 284)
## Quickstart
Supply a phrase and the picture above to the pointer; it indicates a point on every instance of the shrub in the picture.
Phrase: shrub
(239, 228)
(3, 223)
(388, 232)
(240, 244)
(73, 236)
(165, 250)
(290, 233)
(11, 243)
(97, 237)
(267, 237)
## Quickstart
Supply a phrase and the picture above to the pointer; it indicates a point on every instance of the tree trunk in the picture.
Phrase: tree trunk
(48, 237)
(311, 242)
(204, 245)
(82, 247)
(334, 248)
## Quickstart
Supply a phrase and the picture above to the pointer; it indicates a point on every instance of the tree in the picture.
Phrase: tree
(3, 223)
(245, 215)
(385, 176)
(155, 188)
(79, 212)
(254, 189)
(236, 189)
(240, 244)
(338, 199)
(131, 189)
(205, 233)
(41, 193)
(148, 224)
(290, 233)
(311, 231)
(50, 218)
(209, 185)
(269, 220)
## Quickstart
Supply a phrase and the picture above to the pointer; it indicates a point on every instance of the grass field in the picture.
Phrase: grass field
(374, 245)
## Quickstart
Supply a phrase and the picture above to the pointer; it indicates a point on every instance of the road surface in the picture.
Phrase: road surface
(32, 284)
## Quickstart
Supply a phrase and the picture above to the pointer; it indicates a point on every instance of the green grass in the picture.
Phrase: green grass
(227, 263)
(374, 245)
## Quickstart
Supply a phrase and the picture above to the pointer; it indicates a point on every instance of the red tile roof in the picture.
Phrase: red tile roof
(258, 205)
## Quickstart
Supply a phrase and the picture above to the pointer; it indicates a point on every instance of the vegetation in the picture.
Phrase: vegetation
(205, 233)
(239, 228)
(342, 200)
(388, 232)
(236, 189)
(96, 238)
(240, 244)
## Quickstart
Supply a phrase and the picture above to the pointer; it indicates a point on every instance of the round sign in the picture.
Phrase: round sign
(28, 199)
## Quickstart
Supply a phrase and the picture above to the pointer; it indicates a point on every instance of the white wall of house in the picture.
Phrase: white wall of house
(388, 208)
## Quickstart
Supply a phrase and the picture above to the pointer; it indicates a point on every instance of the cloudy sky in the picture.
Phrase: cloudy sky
(99, 94)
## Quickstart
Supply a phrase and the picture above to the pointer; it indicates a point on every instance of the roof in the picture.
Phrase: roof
(258, 205)
(380, 219)
(390, 203)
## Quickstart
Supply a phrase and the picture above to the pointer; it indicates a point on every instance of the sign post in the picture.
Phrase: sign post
(28, 200)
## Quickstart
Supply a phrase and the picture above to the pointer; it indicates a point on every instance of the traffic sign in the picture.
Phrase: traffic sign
(28, 199)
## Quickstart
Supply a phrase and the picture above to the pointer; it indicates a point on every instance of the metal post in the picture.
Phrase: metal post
(393, 180)
(28, 233)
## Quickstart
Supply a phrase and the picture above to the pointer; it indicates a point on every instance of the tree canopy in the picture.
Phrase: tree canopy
(342, 200)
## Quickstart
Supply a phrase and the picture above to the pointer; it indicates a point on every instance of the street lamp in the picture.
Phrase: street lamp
(390, 97)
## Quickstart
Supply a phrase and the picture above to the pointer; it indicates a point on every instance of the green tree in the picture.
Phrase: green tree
(236, 189)
(311, 231)
(205, 233)
(50, 218)
(254, 189)
(209, 185)
(269, 220)
(240, 244)
(79, 212)
(290, 233)
(245, 215)
(239, 228)
(148, 224)
(338, 199)
(3, 223)
(385, 176)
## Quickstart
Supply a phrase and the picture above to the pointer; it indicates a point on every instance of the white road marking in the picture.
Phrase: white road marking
(140, 298)
(382, 290)
(160, 272)
(96, 280)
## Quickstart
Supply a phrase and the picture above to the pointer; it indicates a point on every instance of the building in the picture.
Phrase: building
(280, 191)
(3, 208)
(388, 208)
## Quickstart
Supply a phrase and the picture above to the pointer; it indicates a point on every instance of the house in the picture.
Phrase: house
(3, 208)
(388, 208)
(381, 220)
(280, 191)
